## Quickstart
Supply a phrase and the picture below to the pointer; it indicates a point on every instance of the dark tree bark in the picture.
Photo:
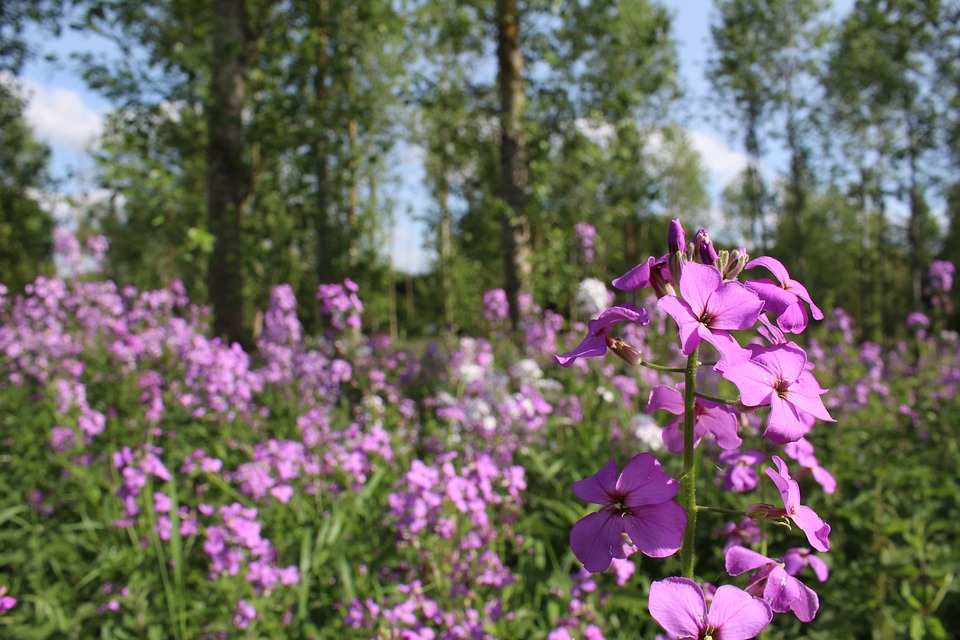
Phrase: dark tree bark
(226, 171)
(513, 157)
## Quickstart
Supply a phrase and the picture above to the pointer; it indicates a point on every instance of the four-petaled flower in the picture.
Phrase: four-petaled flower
(772, 582)
(638, 502)
(784, 299)
(595, 344)
(778, 376)
(680, 607)
(710, 309)
(816, 530)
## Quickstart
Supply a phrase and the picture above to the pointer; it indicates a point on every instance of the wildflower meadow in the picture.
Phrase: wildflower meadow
(702, 453)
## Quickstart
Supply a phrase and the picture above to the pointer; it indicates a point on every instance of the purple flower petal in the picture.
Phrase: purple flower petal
(657, 530)
(666, 398)
(679, 606)
(686, 320)
(644, 482)
(772, 265)
(740, 560)
(600, 486)
(786, 593)
(732, 306)
(736, 615)
(639, 276)
(590, 347)
(596, 539)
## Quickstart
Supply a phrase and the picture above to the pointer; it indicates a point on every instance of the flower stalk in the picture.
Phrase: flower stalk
(688, 482)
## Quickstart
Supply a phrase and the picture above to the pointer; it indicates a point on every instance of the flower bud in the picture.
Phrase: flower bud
(676, 239)
(676, 266)
(629, 353)
(660, 285)
(737, 259)
(707, 252)
(766, 513)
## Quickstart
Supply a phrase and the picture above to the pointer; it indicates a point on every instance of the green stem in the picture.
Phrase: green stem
(729, 512)
(660, 367)
(706, 396)
(688, 481)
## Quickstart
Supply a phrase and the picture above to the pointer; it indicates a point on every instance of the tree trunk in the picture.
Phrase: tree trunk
(323, 226)
(446, 251)
(513, 158)
(227, 178)
(918, 211)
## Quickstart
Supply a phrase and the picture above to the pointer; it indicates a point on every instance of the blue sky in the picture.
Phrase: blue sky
(68, 116)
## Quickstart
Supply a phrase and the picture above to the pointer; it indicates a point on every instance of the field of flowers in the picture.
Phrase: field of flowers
(157, 483)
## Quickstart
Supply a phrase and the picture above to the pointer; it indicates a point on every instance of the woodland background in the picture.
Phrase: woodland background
(252, 143)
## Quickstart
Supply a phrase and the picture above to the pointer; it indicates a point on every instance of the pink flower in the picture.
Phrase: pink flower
(783, 298)
(817, 532)
(710, 309)
(680, 607)
(595, 344)
(638, 503)
(773, 583)
(778, 376)
(709, 417)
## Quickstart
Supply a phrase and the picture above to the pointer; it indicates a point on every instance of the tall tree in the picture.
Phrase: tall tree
(26, 230)
(227, 173)
(882, 90)
(746, 37)
(514, 167)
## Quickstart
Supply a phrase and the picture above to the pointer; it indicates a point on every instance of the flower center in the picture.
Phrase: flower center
(782, 388)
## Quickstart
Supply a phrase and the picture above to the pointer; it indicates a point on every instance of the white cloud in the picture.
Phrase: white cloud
(61, 116)
(722, 162)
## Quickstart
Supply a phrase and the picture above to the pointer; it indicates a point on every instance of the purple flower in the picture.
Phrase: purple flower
(680, 607)
(6, 602)
(784, 298)
(496, 308)
(797, 558)
(802, 452)
(709, 417)
(585, 234)
(638, 503)
(595, 344)
(778, 376)
(744, 532)
(676, 240)
(244, 614)
(773, 583)
(710, 308)
(940, 275)
(740, 476)
(705, 248)
(645, 274)
(817, 532)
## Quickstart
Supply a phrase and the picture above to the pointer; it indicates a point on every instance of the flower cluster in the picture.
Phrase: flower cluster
(340, 303)
(585, 235)
(699, 288)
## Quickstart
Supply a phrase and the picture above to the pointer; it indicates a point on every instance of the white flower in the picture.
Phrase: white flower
(592, 298)
(647, 431)
(526, 371)
(606, 394)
